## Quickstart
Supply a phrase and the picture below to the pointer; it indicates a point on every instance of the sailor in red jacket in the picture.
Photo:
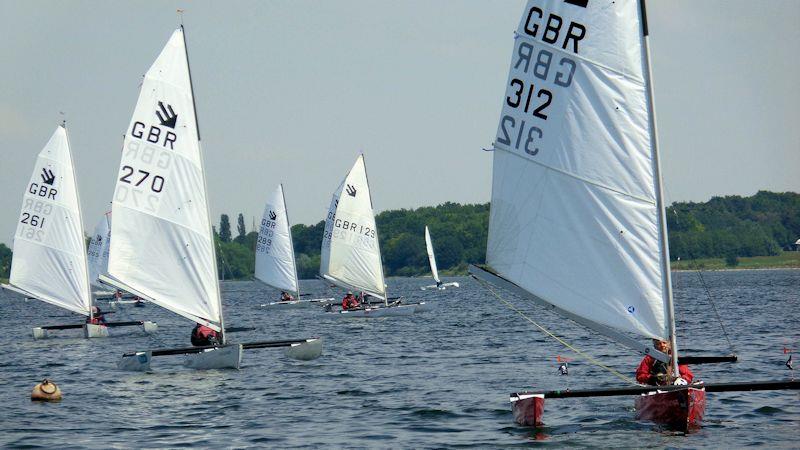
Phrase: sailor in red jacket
(203, 335)
(656, 373)
(349, 301)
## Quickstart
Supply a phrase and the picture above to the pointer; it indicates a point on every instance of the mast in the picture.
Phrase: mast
(662, 214)
(291, 242)
(205, 186)
(80, 221)
(377, 238)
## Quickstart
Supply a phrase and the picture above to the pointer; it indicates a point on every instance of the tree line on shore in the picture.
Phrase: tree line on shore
(723, 227)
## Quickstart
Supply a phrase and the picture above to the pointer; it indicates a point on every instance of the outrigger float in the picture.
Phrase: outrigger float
(578, 220)
(50, 258)
(162, 244)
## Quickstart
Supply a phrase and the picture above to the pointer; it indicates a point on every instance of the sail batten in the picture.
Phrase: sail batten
(162, 243)
(575, 210)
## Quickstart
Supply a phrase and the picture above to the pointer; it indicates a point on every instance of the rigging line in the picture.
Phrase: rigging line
(588, 357)
(716, 312)
(708, 293)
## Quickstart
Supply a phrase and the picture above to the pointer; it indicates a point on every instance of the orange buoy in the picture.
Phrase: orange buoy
(46, 391)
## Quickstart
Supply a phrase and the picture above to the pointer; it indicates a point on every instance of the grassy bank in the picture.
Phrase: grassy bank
(784, 260)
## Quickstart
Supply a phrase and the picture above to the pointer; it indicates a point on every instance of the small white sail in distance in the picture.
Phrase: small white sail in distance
(354, 261)
(275, 261)
(575, 209)
(97, 252)
(162, 245)
(431, 256)
(49, 249)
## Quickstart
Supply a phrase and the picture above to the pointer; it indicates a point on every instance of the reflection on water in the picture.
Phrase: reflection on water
(437, 379)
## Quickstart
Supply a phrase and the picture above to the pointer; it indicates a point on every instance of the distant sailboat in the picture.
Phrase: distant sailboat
(351, 254)
(577, 218)
(99, 246)
(162, 246)
(50, 259)
(275, 261)
(432, 260)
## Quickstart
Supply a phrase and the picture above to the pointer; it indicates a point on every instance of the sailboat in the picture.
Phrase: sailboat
(162, 245)
(275, 261)
(351, 254)
(432, 260)
(577, 219)
(97, 253)
(50, 259)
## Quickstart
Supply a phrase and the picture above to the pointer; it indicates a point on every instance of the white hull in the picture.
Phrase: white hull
(441, 287)
(138, 362)
(306, 351)
(291, 304)
(95, 331)
(383, 311)
(228, 357)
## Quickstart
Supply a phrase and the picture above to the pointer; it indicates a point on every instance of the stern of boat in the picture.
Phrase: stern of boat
(681, 409)
(528, 409)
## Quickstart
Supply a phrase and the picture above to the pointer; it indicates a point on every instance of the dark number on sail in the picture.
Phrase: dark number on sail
(32, 220)
(522, 137)
(156, 183)
(542, 97)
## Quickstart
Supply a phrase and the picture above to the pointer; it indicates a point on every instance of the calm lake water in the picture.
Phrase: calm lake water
(436, 379)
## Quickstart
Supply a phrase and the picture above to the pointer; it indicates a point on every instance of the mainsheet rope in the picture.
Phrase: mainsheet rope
(586, 356)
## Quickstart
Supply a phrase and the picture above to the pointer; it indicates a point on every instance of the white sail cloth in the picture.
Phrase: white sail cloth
(275, 262)
(354, 259)
(49, 251)
(431, 256)
(161, 242)
(97, 252)
(325, 250)
(574, 218)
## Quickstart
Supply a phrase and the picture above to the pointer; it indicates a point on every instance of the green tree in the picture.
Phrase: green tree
(5, 261)
(241, 238)
(224, 228)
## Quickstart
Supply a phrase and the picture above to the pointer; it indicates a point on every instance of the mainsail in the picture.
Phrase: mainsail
(431, 256)
(354, 259)
(49, 251)
(325, 250)
(162, 245)
(275, 263)
(97, 252)
(575, 216)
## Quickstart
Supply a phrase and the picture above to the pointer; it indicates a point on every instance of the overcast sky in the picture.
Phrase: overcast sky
(292, 91)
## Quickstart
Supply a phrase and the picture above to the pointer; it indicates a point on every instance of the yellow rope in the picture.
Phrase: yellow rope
(564, 343)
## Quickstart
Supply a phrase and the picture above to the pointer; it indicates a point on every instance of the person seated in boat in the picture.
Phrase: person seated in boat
(203, 335)
(286, 297)
(350, 301)
(118, 295)
(97, 317)
(656, 373)
(137, 301)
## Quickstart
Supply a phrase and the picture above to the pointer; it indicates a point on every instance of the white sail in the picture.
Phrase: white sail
(161, 241)
(325, 251)
(97, 252)
(49, 251)
(431, 256)
(355, 256)
(275, 263)
(574, 217)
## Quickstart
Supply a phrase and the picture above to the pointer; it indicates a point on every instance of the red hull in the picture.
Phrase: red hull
(682, 410)
(529, 411)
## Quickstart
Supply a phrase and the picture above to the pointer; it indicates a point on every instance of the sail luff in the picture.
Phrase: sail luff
(85, 278)
(205, 186)
(377, 236)
(662, 214)
(291, 241)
